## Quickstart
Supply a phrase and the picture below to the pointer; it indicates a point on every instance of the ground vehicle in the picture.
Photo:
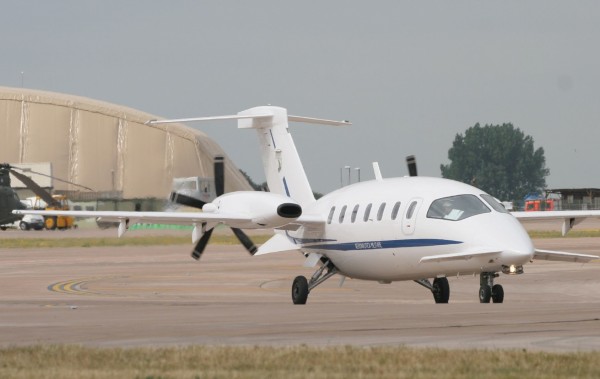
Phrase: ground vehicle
(539, 205)
(60, 202)
(31, 222)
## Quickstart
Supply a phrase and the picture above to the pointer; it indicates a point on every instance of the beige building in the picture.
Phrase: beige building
(104, 146)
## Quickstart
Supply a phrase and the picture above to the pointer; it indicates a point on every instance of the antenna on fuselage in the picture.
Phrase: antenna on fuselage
(377, 171)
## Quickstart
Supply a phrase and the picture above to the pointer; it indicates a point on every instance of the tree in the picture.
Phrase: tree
(499, 159)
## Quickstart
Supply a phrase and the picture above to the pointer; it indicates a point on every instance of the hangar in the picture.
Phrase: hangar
(106, 147)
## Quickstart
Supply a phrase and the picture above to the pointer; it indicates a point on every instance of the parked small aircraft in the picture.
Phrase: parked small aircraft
(385, 230)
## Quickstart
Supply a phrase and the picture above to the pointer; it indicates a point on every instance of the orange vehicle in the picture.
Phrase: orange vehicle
(539, 205)
(53, 222)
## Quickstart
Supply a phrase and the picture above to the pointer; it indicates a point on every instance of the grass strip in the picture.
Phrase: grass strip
(29, 243)
(226, 239)
(582, 233)
(72, 361)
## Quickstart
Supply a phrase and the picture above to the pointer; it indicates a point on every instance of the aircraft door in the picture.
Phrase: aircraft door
(409, 219)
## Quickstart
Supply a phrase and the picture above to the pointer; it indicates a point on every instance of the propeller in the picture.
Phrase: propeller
(219, 173)
(411, 162)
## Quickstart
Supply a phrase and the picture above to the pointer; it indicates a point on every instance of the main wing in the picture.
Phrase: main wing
(569, 219)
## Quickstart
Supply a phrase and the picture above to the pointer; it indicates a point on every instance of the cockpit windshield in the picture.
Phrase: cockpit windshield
(456, 208)
(498, 207)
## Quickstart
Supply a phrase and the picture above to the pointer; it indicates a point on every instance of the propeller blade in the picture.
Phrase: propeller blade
(201, 245)
(189, 201)
(53, 177)
(219, 168)
(245, 240)
(411, 162)
(42, 193)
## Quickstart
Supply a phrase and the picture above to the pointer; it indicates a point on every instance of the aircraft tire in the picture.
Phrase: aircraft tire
(300, 290)
(497, 293)
(485, 294)
(23, 226)
(441, 290)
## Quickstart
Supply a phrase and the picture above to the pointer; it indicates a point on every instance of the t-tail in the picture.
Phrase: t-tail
(283, 169)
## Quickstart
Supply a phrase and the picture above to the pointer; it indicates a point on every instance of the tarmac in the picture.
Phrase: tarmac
(159, 296)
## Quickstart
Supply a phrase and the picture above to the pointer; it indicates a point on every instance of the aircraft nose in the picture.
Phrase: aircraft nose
(515, 242)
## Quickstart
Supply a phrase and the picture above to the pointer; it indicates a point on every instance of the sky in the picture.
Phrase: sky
(409, 75)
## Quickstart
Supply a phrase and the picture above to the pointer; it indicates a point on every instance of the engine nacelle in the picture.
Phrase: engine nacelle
(264, 209)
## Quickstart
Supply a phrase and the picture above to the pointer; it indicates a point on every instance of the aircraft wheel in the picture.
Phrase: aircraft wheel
(485, 294)
(300, 290)
(441, 290)
(497, 293)
(23, 226)
(2, 227)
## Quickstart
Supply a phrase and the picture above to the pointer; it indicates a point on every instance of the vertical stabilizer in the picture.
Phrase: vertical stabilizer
(283, 168)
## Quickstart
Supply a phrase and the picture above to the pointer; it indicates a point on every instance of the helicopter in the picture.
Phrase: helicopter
(9, 199)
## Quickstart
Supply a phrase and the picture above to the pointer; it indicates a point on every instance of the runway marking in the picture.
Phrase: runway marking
(78, 286)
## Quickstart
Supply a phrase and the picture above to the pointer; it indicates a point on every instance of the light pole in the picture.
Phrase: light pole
(348, 168)
(358, 173)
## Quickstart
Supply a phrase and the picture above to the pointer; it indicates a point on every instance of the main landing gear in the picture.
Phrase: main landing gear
(440, 289)
(302, 287)
(488, 290)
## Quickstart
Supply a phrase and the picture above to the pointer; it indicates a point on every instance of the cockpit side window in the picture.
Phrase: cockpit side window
(498, 207)
(456, 208)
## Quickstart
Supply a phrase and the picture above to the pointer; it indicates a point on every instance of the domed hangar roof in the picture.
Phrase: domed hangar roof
(104, 146)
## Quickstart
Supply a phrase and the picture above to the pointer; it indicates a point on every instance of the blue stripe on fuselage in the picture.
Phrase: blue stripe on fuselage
(391, 244)
(287, 191)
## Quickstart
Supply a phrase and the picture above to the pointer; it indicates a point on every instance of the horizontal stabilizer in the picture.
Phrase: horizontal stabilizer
(549, 255)
(277, 244)
(462, 256)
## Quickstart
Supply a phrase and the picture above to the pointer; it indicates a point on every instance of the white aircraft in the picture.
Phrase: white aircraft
(385, 230)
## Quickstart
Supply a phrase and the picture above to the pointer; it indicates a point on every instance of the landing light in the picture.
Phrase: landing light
(512, 270)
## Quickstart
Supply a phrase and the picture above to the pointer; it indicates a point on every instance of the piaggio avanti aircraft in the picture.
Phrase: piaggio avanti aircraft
(9, 199)
(387, 229)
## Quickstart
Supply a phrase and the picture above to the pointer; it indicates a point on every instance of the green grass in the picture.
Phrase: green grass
(69, 361)
(223, 239)
(28, 243)
(582, 233)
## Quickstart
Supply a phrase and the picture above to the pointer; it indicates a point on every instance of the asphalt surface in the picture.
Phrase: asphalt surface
(159, 296)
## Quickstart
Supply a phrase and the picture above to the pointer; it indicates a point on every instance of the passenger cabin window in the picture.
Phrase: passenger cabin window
(411, 210)
(343, 213)
(498, 207)
(354, 213)
(331, 212)
(456, 208)
(380, 211)
(367, 212)
(395, 210)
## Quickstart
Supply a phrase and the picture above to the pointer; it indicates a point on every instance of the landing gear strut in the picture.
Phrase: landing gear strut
(440, 289)
(302, 287)
(488, 290)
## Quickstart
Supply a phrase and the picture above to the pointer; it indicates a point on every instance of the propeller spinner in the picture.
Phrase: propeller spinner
(219, 173)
